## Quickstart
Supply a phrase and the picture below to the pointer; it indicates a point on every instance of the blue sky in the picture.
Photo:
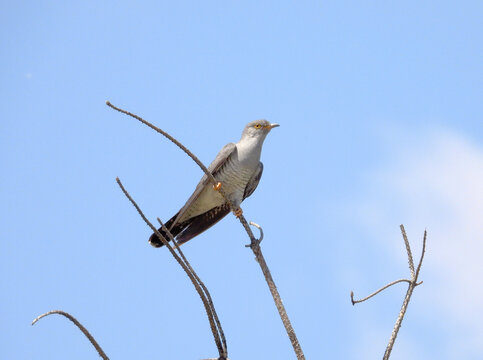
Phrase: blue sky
(381, 124)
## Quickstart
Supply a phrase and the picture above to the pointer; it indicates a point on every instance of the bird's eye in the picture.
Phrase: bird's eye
(257, 126)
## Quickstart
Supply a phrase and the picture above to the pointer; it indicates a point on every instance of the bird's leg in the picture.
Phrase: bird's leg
(238, 212)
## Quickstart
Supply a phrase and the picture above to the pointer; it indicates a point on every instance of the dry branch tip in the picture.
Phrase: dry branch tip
(259, 240)
(76, 322)
(378, 291)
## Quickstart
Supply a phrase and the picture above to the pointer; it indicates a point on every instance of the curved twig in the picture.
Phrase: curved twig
(169, 137)
(202, 284)
(93, 341)
(378, 291)
(261, 233)
(253, 241)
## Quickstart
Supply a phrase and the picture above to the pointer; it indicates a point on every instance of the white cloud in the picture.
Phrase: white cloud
(436, 183)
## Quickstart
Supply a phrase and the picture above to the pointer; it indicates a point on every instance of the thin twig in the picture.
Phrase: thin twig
(422, 255)
(408, 250)
(221, 345)
(165, 134)
(202, 284)
(93, 341)
(378, 291)
(407, 298)
(254, 242)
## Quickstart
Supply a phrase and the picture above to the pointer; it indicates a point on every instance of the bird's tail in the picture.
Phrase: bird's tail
(154, 239)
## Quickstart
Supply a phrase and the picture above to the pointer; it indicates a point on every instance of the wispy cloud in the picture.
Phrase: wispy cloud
(436, 182)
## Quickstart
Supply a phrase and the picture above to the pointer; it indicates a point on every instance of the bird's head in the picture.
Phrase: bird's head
(258, 129)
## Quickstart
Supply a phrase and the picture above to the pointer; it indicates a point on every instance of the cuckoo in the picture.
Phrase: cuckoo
(237, 169)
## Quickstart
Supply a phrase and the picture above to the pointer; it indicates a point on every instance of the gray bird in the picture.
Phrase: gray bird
(238, 169)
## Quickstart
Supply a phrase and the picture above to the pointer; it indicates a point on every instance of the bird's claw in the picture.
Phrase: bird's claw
(217, 186)
(238, 212)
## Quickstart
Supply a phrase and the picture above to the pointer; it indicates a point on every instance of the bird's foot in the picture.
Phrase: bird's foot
(217, 187)
(238, 212)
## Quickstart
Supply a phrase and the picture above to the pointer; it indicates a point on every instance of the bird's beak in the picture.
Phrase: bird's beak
(271, 126)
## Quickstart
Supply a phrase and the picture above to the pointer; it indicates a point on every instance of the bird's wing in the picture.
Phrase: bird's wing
(214, 167)
(202, 222)
(253, 182)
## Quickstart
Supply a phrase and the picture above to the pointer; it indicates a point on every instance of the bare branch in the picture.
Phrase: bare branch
(422, 254)
(93, 341)
(381, 289)
(201, 283)
(399, 320)
(254, 245)
(408, 250)
(411, 285)
(278, 301)
(407, 298)
(209, 308)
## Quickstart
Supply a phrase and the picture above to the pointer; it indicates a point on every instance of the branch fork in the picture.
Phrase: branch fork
(413, 282)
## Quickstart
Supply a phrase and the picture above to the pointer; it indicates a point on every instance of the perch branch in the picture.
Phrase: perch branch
(93, 341)
(255, 246)
(254, 243)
